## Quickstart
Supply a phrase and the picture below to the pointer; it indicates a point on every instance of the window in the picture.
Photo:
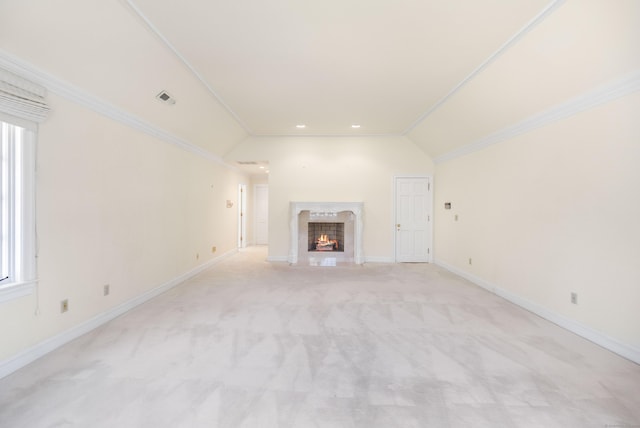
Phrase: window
(22, 108)
(17, 213)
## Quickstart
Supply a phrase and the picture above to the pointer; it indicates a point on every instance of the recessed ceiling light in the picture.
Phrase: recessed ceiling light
(301, 126)
(261, 167)
(355, 126)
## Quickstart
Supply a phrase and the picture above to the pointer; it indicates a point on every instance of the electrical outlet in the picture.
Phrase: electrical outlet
(105, 289)
(455, 217)
(213, 249)
(64, 306)
(574, 298)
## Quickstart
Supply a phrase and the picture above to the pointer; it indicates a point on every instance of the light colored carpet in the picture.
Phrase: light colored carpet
(257, 344)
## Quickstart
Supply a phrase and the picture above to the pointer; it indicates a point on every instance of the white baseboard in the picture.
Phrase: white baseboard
(277, 259)
(31, 354)
(613, 345)
(368, 259)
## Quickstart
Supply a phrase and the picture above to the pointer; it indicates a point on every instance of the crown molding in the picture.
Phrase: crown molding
(600, 95)
(548, 10)
(77, 95)
(147, 22)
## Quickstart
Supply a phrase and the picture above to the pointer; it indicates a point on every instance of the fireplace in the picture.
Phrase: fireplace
(323, 230)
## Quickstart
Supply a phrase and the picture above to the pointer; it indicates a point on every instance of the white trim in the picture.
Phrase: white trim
(21, 200)
(618, 88)
(16, 290)
(75, 94)
(29, 238)
(242, 215)
(186, 63)
(277, 259)
(613, 345)
(432, 219)
(374, 259)
(550, 8)
(31, 354)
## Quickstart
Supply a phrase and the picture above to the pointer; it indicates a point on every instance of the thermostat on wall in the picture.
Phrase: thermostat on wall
(447, 205)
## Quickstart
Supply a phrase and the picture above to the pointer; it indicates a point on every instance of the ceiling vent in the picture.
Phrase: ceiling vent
(166, 98)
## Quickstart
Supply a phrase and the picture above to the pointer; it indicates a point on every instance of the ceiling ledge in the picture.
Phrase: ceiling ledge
(76, 95)
(603, 94)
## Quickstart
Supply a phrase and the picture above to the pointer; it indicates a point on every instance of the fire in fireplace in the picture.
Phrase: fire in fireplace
(326, 237)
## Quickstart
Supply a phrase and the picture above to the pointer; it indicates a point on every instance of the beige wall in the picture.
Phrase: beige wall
(554, 211)
(118, 207)
(337, 169)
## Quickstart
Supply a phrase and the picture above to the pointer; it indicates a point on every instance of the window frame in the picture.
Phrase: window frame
(17, 207)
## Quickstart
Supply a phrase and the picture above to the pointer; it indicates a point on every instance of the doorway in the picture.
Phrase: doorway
(413, 214)
(242, 216)
(261, 207)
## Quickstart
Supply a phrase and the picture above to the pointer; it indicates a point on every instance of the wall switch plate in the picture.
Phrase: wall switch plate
(105, 289)
(64, 306)
(213, 249)
(574, 298)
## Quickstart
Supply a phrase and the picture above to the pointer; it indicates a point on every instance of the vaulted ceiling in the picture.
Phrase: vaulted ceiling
(444, 73)
(331, 64)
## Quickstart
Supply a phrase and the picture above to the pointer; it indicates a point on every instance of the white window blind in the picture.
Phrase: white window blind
(22, 98)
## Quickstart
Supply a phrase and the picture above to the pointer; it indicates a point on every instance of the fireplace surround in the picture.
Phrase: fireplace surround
(351, 211)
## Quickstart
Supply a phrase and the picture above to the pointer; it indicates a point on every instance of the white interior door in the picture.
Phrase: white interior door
(242, 215)
(413, 219)
(261, 192)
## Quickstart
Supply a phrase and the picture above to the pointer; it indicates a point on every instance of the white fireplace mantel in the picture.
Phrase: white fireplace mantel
(326, 207)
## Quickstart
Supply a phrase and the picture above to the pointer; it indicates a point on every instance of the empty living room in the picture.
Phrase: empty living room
(333, 214)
